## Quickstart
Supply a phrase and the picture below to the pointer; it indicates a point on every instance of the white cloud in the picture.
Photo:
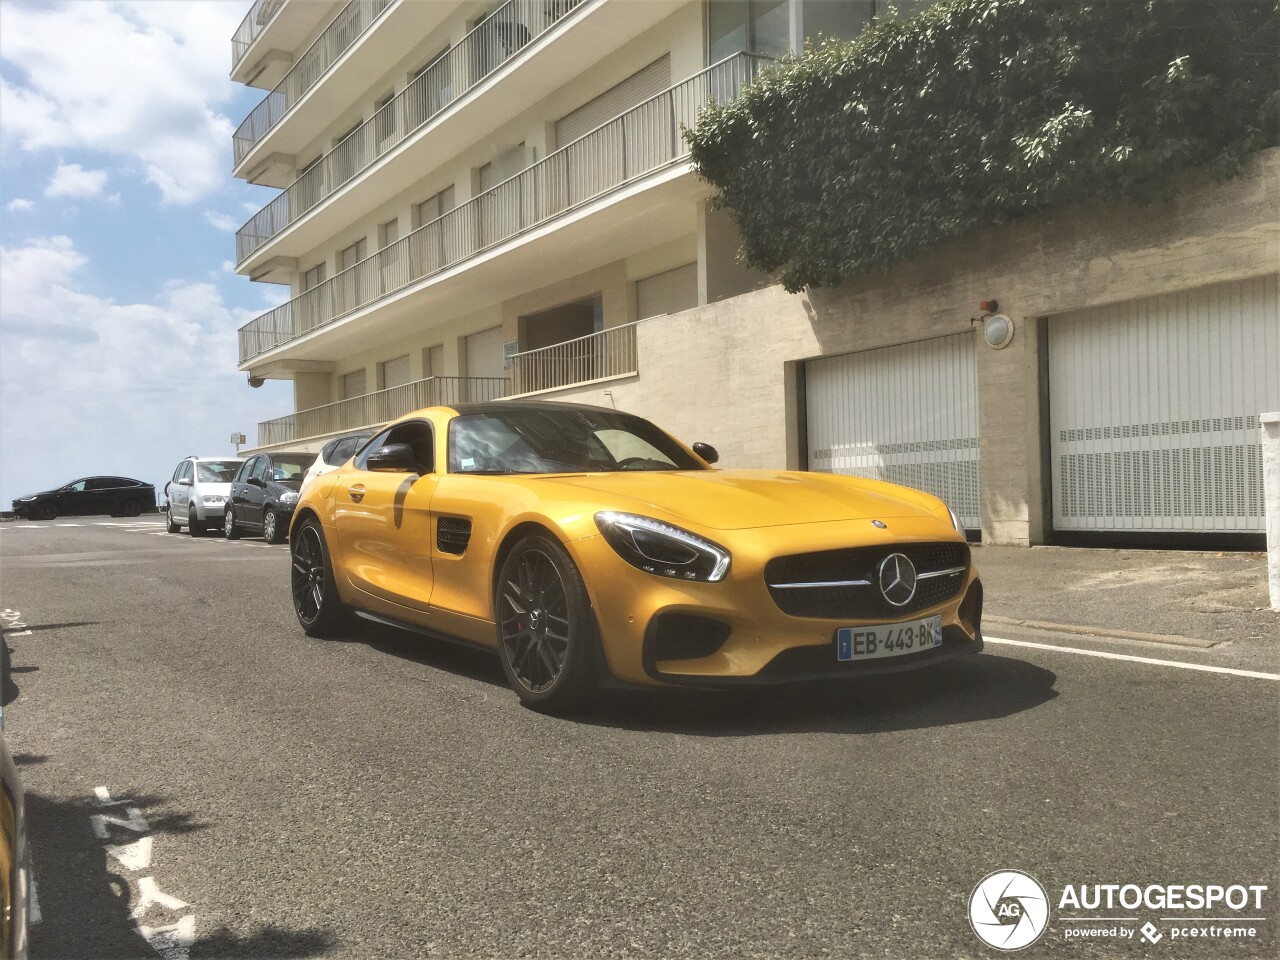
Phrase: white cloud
(221, 221)
(72, 180)
(18, 204)
(142, 80)
(104, 387)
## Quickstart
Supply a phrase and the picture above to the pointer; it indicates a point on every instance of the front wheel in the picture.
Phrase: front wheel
(170, 524)
(319, 609)
(229, 528)
(272, 530)
(195, 526)
(47, 511)
(546, 629)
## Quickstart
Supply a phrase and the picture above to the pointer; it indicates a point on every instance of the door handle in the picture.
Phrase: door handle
(356, 492)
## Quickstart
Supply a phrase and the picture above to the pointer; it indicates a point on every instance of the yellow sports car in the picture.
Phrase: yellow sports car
(589, 548)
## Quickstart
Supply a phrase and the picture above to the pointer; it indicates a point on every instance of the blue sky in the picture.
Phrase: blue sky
(118, 304)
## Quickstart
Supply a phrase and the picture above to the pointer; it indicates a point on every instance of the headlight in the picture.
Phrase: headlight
(288, 497)
(214, 498)
(661, 549)
(25, 499)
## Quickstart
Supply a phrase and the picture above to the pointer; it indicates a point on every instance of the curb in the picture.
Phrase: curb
(1167, 639)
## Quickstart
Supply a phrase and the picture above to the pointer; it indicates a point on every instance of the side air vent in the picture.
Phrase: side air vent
(453, 534)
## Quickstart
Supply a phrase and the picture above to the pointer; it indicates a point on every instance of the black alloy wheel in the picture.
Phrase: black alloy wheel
(195, 526)
(320, 610)
(229, 528)
(131, 508)
(271, 531)
(47, 511)
(546, 629)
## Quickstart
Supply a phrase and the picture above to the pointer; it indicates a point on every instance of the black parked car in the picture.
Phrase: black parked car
(264, 493)
(118, 496)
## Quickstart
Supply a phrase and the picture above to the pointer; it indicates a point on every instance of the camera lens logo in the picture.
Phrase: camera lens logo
(1008, 910)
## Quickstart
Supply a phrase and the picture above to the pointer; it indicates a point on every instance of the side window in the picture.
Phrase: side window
(259, 471)
(78, 486)
(362, 461)
(243, 473)
(177, 471)
(419, 437)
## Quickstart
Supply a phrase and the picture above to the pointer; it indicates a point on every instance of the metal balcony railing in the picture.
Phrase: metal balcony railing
(377, 408)
(642, 141)
(254, 22)
(491, 43)
(597, 356)
(347, 27)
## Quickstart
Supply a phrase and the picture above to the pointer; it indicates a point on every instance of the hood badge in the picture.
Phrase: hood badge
(879, 523)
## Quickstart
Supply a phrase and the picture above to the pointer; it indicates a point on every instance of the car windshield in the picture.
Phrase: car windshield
(216, 471)
(291, 467)
(561, 441)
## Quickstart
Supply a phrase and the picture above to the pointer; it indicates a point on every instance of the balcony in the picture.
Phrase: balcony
(605, 355)
(374, 409)
(490, 44)
(254, 22)
(643, 141)
(347, 27)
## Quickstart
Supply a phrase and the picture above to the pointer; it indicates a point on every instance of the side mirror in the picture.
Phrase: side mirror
(184, 482)
(256, 482)
(707, 452)
(393, 458)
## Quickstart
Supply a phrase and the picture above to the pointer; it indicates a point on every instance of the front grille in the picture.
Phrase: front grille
(453, 534)
(862, 563)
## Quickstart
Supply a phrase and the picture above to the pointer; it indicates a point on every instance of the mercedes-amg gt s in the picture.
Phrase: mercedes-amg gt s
(588, 547)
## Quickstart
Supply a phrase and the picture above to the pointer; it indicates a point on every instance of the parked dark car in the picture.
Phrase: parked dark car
(118, 496)
(264, 493)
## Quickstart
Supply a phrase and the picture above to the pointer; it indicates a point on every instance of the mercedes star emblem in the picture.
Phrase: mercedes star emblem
(897, 579)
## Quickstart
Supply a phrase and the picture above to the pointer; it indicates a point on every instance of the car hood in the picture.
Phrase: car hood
(32, 496)
(739, 499)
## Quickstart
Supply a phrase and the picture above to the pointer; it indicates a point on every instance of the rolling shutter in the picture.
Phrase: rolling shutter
(353, 384)
(637, 88)
(907, 414)
(395, 373)
(1153, 410)
(668, 292)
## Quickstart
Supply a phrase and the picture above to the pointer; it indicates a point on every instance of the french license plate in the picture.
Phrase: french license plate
(889, 639)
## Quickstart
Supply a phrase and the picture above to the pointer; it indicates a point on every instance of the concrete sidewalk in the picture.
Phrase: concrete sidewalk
(1209, 596)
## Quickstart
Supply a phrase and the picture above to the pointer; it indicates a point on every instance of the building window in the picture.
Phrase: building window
(351, 255)
(389, 232)
(768, 26)
(667, 292)
(434, 207)
(353, 384)
(394, 373)
(313, 277)
(433, 361)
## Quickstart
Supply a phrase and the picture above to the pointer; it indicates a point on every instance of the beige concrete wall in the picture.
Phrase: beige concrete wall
(741, 352)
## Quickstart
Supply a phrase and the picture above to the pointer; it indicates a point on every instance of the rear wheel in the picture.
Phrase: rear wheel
(319, 609)
(170, 524)
(546, 629)
(272, 529)
(131, 508)
(195, 526)
(229, 528)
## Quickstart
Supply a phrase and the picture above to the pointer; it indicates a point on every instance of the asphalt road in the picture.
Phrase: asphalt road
(385, 797)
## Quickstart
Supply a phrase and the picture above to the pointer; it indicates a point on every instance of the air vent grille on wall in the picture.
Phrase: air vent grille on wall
(453, 534)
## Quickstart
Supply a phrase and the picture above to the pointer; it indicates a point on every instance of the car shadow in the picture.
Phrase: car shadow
(436, 652)
(85, 896)
(966, 690)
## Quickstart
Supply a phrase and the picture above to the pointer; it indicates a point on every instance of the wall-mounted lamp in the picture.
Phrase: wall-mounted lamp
(997, 328)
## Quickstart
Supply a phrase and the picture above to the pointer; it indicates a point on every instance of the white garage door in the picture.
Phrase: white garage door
(907, 414)
(1154, 410)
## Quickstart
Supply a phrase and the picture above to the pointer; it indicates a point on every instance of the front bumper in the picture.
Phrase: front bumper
(736, 633)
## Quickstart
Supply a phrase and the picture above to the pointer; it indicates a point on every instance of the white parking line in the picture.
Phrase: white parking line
(1203, 667)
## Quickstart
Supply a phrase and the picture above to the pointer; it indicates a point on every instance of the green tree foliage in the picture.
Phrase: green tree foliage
(858, 155)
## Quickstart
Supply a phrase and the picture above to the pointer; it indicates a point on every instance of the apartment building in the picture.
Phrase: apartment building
(488, 199)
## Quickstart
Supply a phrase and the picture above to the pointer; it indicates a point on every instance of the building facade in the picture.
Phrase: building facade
(483, 199)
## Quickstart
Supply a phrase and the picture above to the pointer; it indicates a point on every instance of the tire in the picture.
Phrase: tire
(171, 524)
(131, 508)
(319, 609)
(229, 528)
(195, 526)
(547, 638)
(47, 511)
(271, 531)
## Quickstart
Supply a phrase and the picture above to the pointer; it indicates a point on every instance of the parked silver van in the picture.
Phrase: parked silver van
(197, 495)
